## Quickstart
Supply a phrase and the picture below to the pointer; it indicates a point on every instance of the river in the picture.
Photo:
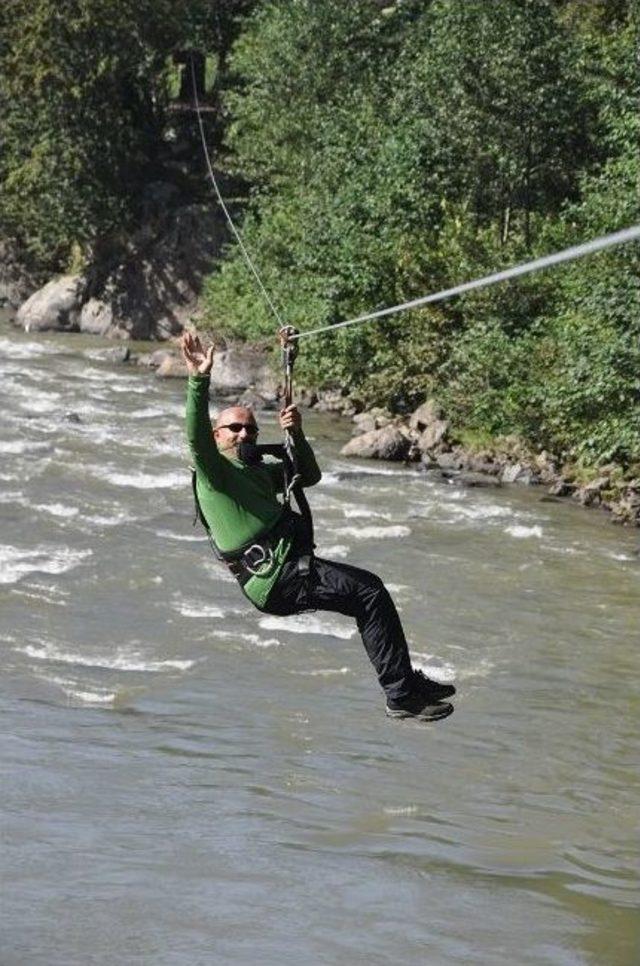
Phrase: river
(187, 782)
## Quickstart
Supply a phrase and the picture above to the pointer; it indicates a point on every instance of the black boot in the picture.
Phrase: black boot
(433, 690)
(418, 707)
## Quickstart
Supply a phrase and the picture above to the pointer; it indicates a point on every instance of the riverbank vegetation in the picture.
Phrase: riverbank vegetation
(375, 152)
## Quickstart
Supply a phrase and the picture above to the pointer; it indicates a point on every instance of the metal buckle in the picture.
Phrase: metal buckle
(263, 563)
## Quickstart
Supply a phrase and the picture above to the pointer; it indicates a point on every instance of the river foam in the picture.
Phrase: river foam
(182, 537)
(28, 350)
(18, 447)
(16, 562)
(365, 513)
(81, 693)
(307, 624)
(125, 659)
(374, 533)
(140, 480)
(233, 634)
(334, 550)
(433, 666)
(524, 533)
(189, 607)
(326, 672)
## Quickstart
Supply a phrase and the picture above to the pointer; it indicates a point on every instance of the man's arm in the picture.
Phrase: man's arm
(290, 419)
(198, 424)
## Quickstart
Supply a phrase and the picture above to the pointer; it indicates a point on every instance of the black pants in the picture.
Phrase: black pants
(356, 593)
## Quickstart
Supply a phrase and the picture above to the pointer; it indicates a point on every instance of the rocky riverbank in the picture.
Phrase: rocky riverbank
(152, 296)
(426, 438)
(146, 288)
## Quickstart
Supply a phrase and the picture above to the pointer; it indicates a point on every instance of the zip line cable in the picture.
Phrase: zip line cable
(526, 268)
(235, 231)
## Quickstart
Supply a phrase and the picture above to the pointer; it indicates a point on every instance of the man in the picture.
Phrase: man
(267, 547)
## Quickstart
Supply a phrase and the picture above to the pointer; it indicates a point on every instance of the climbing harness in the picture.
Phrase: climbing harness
(256, 558)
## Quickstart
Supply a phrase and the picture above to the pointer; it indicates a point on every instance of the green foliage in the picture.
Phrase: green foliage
(590, 406)
(83, 91)
(492, 92)
(390, 156)
(77, 119)
(592, 403)
(377, 153)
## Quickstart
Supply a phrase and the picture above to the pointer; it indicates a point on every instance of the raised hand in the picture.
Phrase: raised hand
(198, 359)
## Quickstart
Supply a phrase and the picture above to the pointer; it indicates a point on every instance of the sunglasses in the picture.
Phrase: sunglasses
(250, 428)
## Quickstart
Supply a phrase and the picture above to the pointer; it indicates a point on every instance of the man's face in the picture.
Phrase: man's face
(234, 426)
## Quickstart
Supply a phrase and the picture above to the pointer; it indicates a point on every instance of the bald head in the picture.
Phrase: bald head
(234, 425)
(235, 414)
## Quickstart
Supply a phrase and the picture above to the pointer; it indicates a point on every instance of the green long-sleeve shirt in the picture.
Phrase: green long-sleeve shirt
(239, 501)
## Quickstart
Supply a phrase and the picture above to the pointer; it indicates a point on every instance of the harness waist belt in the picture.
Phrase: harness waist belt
(257, 557)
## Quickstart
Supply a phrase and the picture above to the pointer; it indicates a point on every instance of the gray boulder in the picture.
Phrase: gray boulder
(332, 401)
(426, 414)
(379, 444)
(478, 479)
(481, 463)
(561, 487)
(96, 318)
(152, 360)
(254, 400)
(55, 306)
(241, 367)
(450, 461)
(121, 353)
(364, 423)
(519, 473)
(627, 508)
(338, 401)
(236, 369)
(306, 397)
(591, 493)
(546, 466)
(172, 367)
(433, 435)
(372, 419)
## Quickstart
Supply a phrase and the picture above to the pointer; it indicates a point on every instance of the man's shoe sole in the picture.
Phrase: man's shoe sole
(432, 712)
